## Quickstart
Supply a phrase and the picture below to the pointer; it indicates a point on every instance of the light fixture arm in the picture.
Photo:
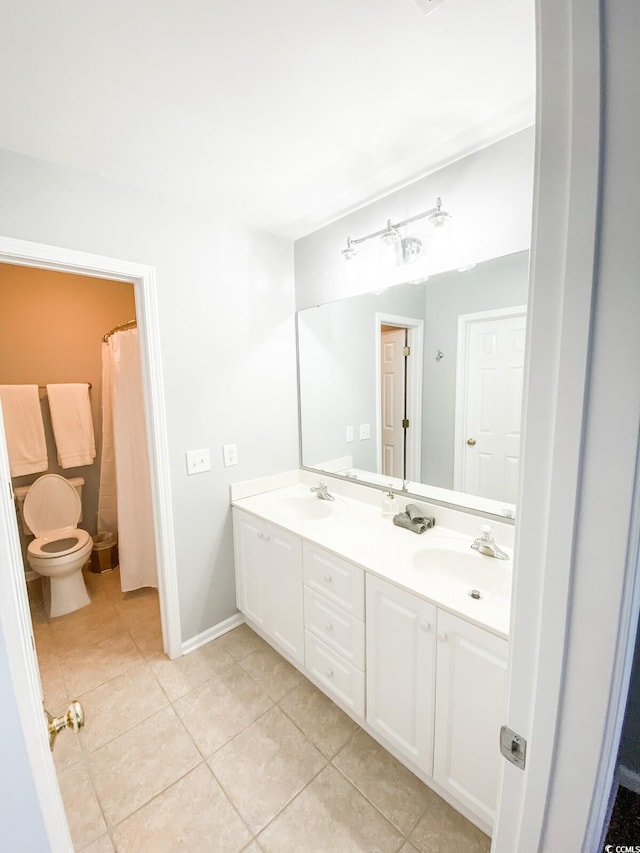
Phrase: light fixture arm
(436, 211)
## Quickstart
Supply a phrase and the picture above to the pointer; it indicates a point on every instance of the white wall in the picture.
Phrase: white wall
(337, 373)
(489, 193)
(226, 304)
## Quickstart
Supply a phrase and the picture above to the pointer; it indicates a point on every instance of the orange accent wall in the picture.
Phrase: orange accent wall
(51, 328)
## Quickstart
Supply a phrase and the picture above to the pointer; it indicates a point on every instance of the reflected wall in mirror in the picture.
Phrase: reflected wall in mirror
(443, 414)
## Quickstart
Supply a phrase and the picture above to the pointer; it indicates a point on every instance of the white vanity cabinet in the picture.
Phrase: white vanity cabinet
(435, 692)
(401, 670)
(427, 684)
(470, 684)
(269, 580)
(334, 626)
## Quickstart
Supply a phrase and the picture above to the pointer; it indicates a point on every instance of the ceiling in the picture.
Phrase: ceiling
(284, 114)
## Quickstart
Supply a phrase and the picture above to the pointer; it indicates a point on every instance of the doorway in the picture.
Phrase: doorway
(14, 609)
(399, 397)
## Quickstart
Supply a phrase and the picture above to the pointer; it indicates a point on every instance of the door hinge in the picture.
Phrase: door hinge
(406, 351)
(405, 423)
(513, 747)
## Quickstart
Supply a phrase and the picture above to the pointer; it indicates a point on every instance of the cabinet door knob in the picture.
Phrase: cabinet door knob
(330, 673)
(442, 636)
(328, 578)
(425, 626)
(328, 627)
(471, 442)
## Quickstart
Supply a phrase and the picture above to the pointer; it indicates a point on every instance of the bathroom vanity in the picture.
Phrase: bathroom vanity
(407, 633)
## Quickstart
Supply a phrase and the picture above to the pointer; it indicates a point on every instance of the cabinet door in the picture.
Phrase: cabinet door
(285, 621)
(401, 670)
(250, 548)
(472, 666)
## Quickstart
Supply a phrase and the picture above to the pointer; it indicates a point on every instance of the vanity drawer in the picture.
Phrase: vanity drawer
(337, 579)
(339, 630)
(338, 678)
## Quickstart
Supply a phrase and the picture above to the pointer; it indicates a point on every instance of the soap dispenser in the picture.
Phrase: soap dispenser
(389, 503)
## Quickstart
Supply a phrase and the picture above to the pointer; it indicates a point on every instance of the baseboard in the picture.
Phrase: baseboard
(628, 778)
(212, 633)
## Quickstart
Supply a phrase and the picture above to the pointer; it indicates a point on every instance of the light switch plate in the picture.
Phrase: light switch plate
(230, 454)
(365, 431)
(198, 461)
(349, 434)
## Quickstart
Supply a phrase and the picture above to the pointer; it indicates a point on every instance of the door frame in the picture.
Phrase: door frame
(14, 608)
(415, 337)
(465, 321)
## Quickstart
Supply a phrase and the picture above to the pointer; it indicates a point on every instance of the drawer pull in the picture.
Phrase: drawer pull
(328, 578)
(330, 673)
(328, 627)
(442, 636)
(425, 626)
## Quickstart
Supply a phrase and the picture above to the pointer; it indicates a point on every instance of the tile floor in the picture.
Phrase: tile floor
(227, 749)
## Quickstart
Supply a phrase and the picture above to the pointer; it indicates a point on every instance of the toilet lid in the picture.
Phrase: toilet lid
(51, 503)
(59, 543)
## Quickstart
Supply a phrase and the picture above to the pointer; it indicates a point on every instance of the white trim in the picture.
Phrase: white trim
(465, 321)
(415, 328)
(19, 639)
(212, 633)
(567, 172)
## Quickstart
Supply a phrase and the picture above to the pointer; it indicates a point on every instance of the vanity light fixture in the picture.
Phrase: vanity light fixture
(395, 249)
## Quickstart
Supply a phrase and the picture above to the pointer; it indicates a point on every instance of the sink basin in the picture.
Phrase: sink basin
(453, 562)
(307, 508)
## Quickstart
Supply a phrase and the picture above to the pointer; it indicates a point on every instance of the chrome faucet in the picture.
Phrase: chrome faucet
(486, 544)
(322, 492)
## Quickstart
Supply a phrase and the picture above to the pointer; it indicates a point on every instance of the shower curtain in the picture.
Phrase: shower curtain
(125, 462)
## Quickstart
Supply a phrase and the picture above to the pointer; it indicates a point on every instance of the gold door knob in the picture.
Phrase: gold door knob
(471, 442)
(73, 719)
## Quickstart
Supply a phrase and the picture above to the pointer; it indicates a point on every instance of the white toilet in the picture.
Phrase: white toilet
(52, 509)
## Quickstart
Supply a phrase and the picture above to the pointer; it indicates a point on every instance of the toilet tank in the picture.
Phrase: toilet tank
(20, 493)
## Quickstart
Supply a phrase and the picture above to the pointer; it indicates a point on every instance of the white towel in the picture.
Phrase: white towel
(26, 444)
(72, 424)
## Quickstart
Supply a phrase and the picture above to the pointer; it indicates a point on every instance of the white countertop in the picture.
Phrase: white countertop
(438, 565)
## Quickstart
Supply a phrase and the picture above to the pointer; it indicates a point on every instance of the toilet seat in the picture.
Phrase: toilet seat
(54, 544)
(51, 504)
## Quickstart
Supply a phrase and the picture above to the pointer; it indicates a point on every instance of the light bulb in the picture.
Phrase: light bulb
(390, 247)
(349, 255)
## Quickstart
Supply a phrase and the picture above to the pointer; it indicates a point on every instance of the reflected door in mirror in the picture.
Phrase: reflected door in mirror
(393, 386)
(491, 364)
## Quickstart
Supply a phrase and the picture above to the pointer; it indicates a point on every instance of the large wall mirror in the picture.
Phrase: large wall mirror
(420, 386)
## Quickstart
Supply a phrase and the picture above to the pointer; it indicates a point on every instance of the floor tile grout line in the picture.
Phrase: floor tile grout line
(404, 835)
(292, 798)
(119, 823)
(307, 736)
(237, 734)
(231, 802)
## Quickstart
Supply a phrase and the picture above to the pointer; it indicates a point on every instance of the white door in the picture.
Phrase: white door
(285, 593)
(269, 580)
(250, 566)
(401, 670)
(470, 683)
(392, 369)
(16, 633)
(489, 403)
